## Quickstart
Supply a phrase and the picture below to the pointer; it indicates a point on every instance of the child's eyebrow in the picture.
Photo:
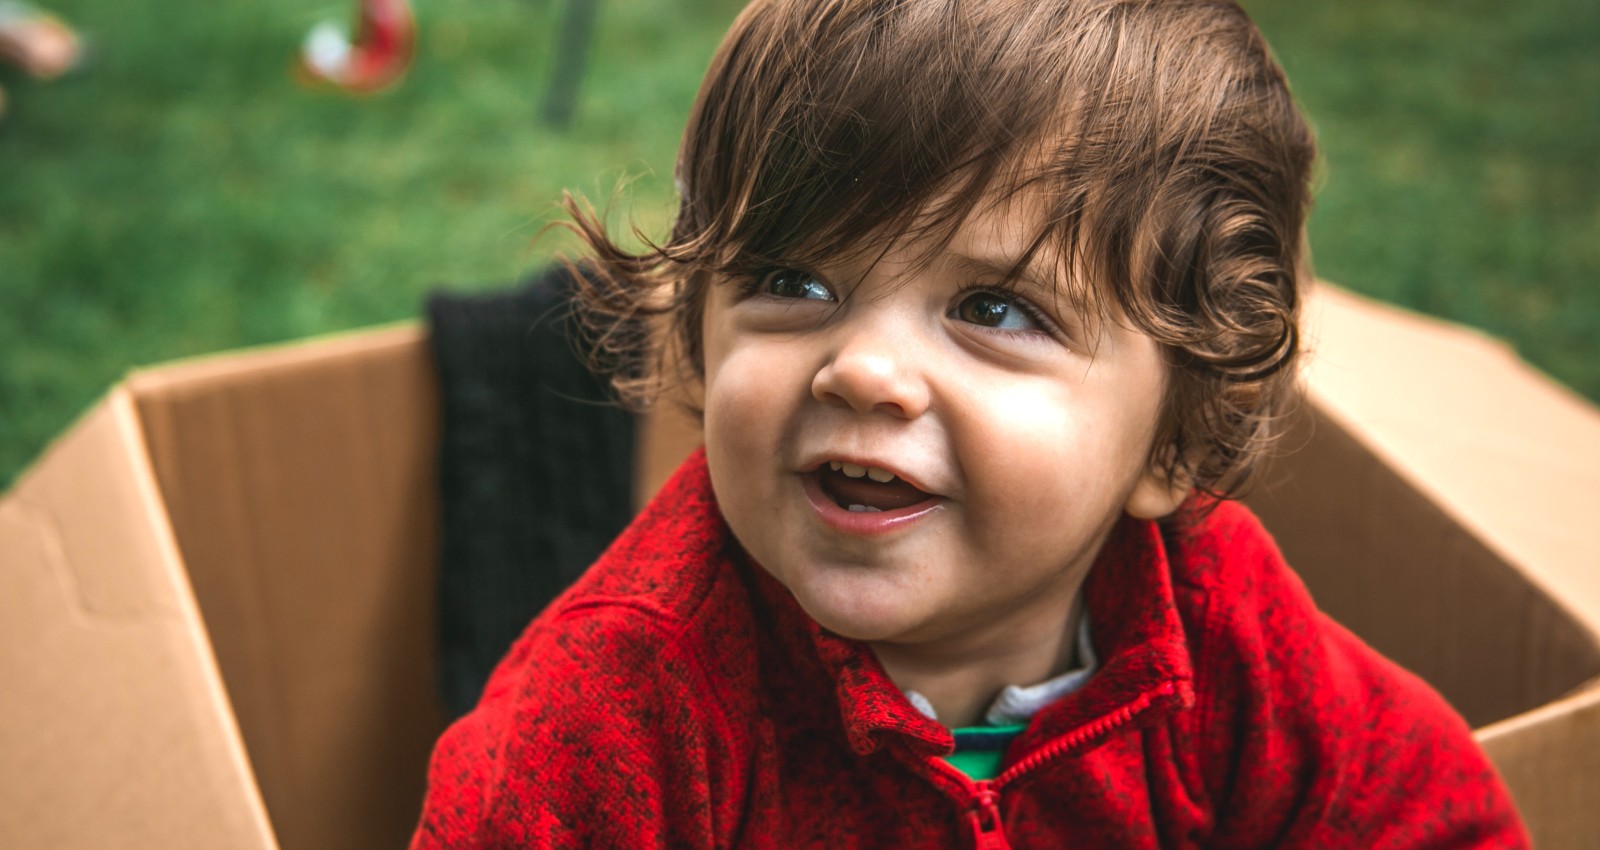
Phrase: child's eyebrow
(996, 269)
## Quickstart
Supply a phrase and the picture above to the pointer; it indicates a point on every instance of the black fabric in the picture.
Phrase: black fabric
(536, 469)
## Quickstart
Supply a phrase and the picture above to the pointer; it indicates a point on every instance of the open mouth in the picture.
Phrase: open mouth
(867, 489)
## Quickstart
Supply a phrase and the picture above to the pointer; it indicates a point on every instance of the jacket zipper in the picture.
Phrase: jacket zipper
(984, 818)
(1099, 727)
(983, 813)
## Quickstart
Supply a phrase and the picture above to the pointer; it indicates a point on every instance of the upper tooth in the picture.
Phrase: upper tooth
(834, 465)
(882, 476)
(852, 470)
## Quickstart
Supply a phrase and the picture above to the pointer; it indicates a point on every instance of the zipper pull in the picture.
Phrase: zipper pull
(984, 818)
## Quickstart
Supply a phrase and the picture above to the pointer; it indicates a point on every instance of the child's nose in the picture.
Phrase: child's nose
(873, 375)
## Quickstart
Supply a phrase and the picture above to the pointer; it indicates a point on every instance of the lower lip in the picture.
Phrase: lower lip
(865, 523)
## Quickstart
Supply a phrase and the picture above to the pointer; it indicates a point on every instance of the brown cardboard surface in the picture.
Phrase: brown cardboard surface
(300, 484)
(1387, 561)
(1550, 758)
(115, 729)
(1509, 453)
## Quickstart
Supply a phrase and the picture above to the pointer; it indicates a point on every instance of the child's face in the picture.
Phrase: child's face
(1015, 447)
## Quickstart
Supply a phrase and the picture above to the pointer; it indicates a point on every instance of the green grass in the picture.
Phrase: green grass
(1461, 175)
(183, 195)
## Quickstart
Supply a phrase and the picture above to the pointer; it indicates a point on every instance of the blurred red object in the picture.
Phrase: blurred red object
(374, 60)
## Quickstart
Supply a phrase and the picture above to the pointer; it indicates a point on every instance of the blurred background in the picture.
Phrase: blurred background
(182, 194)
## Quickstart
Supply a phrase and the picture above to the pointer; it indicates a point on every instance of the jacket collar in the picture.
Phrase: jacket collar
(1145, 667)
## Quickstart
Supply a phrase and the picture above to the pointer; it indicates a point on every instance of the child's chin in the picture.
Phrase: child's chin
(859, 620)
(870, 602)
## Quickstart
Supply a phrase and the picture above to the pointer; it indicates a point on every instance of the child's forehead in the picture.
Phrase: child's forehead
(1004, 229)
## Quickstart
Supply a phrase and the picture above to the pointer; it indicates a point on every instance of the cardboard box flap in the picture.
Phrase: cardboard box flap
(101, 636)
(1508, 452)
(300, 483)
(1382, 557)
(1433, 494)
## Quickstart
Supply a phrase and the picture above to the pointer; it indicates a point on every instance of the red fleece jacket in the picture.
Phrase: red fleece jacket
(678, 697)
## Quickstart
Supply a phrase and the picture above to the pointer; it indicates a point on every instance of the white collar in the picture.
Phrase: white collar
(1018, 704)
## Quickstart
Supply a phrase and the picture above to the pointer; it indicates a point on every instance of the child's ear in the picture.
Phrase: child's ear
(1157, 493)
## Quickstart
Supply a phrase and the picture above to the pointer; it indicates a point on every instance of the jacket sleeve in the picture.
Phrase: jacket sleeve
(598, 730)
(1310, 739)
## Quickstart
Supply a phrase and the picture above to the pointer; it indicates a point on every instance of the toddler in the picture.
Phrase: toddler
(989, 307)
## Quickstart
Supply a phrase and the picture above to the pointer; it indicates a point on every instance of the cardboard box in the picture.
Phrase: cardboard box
(216, 590)
(1438, 496)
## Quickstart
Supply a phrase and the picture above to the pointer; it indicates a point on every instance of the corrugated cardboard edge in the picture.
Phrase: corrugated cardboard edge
(226, 365)
(72, 770)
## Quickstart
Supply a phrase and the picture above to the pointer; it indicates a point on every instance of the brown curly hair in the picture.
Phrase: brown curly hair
(1174, 163)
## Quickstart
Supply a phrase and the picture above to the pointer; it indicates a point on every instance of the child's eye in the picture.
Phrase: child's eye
(995, 310)
(790, 283)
